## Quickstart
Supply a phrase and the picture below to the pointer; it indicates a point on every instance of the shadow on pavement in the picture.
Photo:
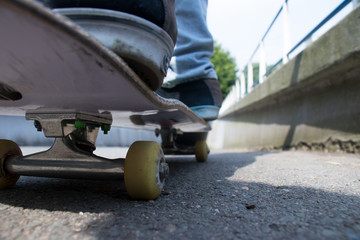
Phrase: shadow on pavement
(199, 202)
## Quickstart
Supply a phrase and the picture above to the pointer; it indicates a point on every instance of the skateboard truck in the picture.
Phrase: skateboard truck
(79, 128)
(168, 136)
(175, 141)
(71, 155)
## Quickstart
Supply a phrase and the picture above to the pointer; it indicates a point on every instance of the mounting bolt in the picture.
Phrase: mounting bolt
(157, 132)
(37, 125)
(105, 128)
(80, 124)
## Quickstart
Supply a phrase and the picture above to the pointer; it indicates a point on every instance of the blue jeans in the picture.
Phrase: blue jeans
(194, 46)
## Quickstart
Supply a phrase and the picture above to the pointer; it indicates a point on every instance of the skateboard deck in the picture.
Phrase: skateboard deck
(56, 74)
(55, 65)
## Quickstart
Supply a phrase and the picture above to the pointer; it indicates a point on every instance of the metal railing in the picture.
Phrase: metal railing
(244, 86)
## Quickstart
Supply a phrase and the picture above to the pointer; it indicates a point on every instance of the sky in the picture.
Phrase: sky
(238, 25)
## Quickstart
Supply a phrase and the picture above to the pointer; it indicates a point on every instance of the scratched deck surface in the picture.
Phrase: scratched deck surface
(56, 65)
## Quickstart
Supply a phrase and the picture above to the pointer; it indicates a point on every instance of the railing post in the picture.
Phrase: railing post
(237, 89)
(287, 44)
(262, 66)
(250, 79)
(242, 84)
(355, 3)
(308, 41)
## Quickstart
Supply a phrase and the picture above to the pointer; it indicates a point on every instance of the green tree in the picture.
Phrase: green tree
(225, 68)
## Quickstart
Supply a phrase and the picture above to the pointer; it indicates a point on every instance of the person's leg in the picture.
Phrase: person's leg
(194, 47)
(192, 78)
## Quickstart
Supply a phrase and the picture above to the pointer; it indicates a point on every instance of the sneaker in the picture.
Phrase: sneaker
(151, 23)
(159, 12)
(202, 96)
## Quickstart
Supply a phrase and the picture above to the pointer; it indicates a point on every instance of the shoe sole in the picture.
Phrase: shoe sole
(206, 112)
(144, 46)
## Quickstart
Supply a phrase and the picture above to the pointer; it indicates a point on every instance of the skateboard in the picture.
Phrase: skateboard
(73, 86)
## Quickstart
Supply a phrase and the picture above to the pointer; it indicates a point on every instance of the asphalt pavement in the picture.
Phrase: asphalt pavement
(235, 195)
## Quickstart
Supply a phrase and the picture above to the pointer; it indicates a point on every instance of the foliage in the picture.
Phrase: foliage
(225, 68)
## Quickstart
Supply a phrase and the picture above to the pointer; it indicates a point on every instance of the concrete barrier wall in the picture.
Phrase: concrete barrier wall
(313, 99)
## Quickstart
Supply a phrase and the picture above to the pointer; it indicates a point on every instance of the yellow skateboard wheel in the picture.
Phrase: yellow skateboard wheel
(7, 148)
(145, 170)
(201, 151)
